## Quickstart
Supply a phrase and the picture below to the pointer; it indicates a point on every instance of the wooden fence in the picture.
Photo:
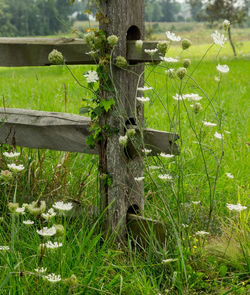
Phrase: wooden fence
(67, 132)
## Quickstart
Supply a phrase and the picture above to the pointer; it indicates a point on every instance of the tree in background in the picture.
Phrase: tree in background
(34, 17)
(162, 10)
(234, 11)
(196, 8)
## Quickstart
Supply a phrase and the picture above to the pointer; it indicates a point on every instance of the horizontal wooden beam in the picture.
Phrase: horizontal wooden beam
(65, 132)
(20, 52)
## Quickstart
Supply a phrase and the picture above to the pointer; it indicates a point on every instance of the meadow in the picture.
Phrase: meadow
(194, 203)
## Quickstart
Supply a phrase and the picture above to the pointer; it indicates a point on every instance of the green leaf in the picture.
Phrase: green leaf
(107, 104)
(223, 270)
(84, 110)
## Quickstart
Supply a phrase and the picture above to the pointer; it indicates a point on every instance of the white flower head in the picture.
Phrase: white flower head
(237, 207)
(15, 168)
(166, 156)
(196, 202)
(20, 210)
(51, 245)
(179, 97)
(143, 99)
(202, 233)
(91, 76)
(11, 155)
(226, 24)
(171, 36)
(61, 206)
(209, 124)
(50, 214)
(139, 44)
(4, 248)
(229, 175)
(47, 232)
(151, 52)
(192, 97)
(123, 140)
(53, 278)
(222, 69)
(169, 260)
(168, 59)
(219, 39)
(165, 177)
(28, 222)
(146, 151)
(217, 79)
(139, 179)
(218, 135)
(41, 269)
(185, 225)
(145, 88)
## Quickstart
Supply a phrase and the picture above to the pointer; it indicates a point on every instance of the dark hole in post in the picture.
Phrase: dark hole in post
(133, 209)
(133, 34)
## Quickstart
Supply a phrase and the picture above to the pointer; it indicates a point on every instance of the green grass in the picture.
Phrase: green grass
(218, 264)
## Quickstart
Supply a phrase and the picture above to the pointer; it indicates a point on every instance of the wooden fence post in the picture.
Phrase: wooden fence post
(125, 18)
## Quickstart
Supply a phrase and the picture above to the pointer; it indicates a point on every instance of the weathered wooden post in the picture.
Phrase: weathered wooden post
(125, 19)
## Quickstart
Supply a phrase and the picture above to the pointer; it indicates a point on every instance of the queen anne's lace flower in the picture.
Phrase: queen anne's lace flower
(4, 248)
(145, 88)
(168, 59)
(165, 177)
(91, 76)
(168, 260)
(218, 135)
(209, 124)
(139, 179)
(202, 233)
(151, 51)
(47, 232)
(237, 207)
(229, 175)
(53, 278)
(15, 168)
(61, 206)
(20, 210)
(123, 140)
(146, 151)
(167, 156)
(51, 213)
(11, 155)
(192, 97)
(28, 222)
(143, 99)
(196, 202)
(51, 245)
(222, 69)
(219, 39)
(179, 97)
(41, 269)
(171, 36)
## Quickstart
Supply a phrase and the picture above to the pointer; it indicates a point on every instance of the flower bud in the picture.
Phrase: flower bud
(163, 46)
(59, 230)
(226, 24)
(181, 72)
(89, 39)
(12, 207)
(171, 73)
(121, 62)
(112, 40)
(6, 175)
(56, 58)
(35, 209)
(186, 63)
(196, 107)
(72, 281)
(139, 44)
(130, 133)
(186, 44)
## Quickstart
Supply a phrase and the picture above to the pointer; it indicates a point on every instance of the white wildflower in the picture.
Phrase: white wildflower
(202, 233)
(217, 79)
(53, 278)
(165, 177)
(229, 175)
(218, 135)
(11, 155)
(192, 97)
(151, 52)
(178, 97)
(28, 222)
(185, 225)
(143, 99)
(168, 260)
(171, 36)
(20, 210)
(209, 124)
(41, 269)
(237, 207)
(145, 88)
(219, 39)
(47, 232)
(139, 44)
(50, 214)
(61, 206)
(226, 24)
(146, 151)
(167, 156)
(139, 179)
(196, 202)
(51, 245)
(4, 248)
(91, 76)
(123, 140)
(168, 59)
(15, 168)
(222, 69)
(227, 132)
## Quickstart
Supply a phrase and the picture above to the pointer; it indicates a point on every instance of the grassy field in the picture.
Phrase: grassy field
(217, 263)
